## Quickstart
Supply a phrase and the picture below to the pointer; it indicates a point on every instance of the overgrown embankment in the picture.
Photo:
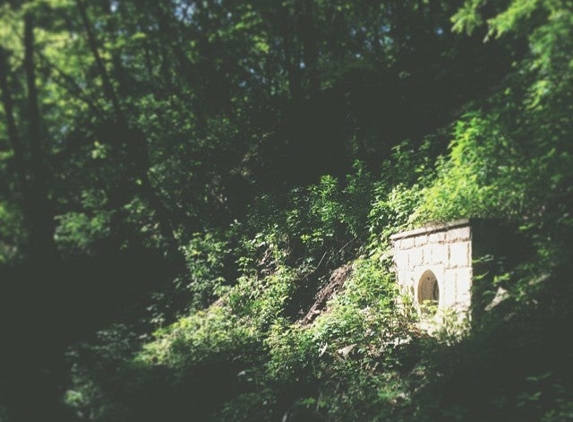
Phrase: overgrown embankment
(252, 346)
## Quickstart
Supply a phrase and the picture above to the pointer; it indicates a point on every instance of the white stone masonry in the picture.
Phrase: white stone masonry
(434, 264)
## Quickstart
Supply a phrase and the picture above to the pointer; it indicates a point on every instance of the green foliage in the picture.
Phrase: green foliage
(97, 371)
(262, 300)
(354, 344)
(10, 232)
(206, 257)
(392, 211)
(510, 158)
(481, 178)
(323, 221)
(352, 350)
(79, 233)
(467, 18)
(204, 337)
(364, 316)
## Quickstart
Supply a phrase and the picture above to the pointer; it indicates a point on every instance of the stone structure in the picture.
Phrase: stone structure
(437, 264)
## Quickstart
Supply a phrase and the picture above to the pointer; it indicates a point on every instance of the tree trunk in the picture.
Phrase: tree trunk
(42, 245)
(14, 139)
(291, 62)
(309, 44)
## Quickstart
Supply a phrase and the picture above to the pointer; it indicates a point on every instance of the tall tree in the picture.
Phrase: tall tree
(43, 248)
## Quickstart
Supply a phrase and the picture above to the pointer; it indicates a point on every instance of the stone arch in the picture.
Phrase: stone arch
(428, 291)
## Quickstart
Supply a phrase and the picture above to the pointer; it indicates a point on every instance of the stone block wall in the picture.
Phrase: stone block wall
(434, 264)
(453, 265)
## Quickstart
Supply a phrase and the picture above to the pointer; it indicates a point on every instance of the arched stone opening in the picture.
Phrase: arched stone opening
(428, 292)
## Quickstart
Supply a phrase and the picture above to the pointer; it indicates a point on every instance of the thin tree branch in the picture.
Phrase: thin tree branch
(92, 42)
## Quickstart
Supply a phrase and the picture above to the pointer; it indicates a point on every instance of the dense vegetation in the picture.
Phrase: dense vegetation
(196, 199)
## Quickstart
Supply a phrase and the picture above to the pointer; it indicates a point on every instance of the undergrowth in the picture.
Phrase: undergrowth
(244, 352)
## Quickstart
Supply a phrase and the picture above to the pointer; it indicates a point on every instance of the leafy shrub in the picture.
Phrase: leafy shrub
(98, 371)
(207, 257)
(79, 233)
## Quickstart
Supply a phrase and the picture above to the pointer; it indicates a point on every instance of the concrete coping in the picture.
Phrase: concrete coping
(431, 229)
